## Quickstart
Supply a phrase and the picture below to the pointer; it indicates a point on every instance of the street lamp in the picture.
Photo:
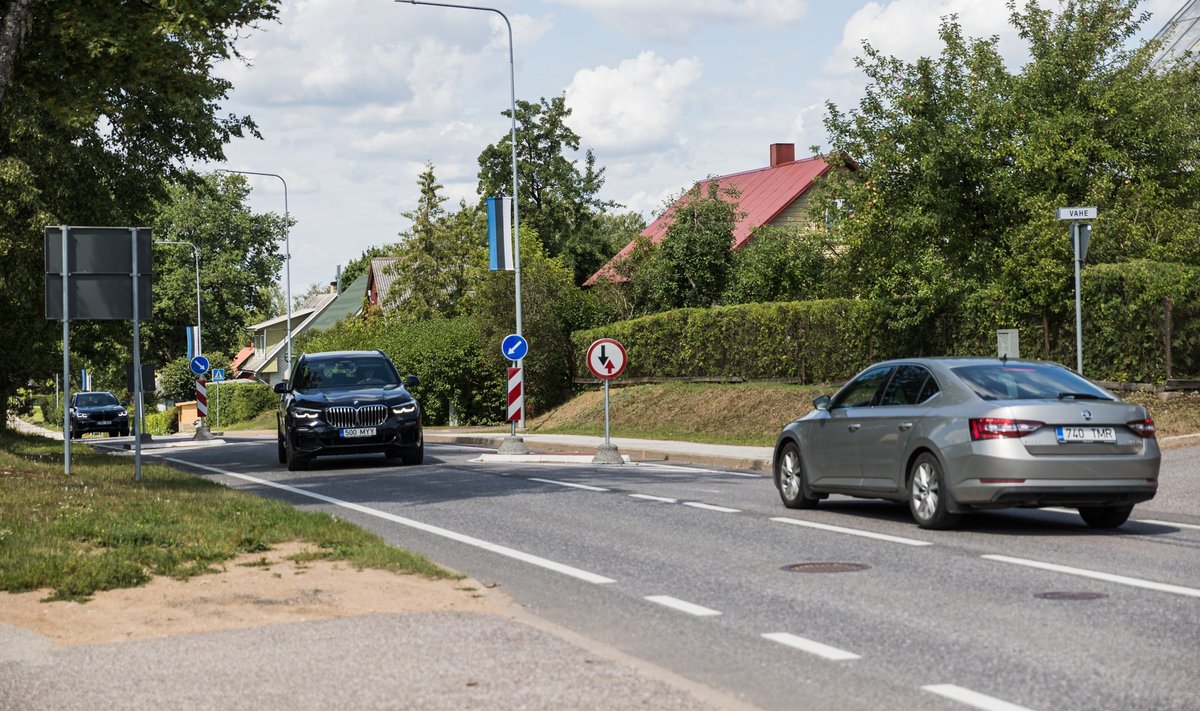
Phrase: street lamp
(287, 248)
(196, 253)
(512, 93)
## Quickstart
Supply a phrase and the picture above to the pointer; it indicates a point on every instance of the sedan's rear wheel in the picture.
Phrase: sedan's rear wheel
(928, 494)
(1105, 516)
(789, 478)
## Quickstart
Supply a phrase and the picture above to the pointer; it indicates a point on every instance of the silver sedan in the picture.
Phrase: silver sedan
(953, 435)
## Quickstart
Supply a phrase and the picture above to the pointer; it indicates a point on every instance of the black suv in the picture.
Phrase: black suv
(98, 412)
(348, 402)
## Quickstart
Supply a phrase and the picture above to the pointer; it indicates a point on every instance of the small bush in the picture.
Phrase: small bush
(163, 423)
(239, 402)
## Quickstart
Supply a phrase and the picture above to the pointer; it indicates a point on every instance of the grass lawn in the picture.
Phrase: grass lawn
(99, 530)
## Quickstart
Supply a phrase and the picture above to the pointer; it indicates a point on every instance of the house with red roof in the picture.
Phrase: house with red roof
(774, 195)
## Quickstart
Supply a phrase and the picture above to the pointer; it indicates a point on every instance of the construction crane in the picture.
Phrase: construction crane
(1180, 35)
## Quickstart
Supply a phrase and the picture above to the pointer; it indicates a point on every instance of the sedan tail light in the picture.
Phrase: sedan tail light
(1142, 428)
(998, 427)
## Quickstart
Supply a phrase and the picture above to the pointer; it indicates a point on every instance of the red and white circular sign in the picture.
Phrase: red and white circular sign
(606, 358)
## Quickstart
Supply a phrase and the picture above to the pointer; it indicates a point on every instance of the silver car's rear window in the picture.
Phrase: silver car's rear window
(1027, 381)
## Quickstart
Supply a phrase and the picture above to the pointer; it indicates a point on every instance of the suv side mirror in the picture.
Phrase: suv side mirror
(281, 387)
(412, 381)
(821, 402)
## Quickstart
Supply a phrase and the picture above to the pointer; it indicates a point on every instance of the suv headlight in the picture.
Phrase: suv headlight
(305, 413)
(80, 415)
(122, 413)
(407, 408)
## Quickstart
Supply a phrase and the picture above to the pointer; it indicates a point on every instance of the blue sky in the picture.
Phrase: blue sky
(353, 97)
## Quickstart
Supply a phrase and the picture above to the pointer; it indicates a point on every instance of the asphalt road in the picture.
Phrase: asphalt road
(849, 606)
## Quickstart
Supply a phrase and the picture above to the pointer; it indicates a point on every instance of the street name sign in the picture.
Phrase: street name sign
(1077, 213)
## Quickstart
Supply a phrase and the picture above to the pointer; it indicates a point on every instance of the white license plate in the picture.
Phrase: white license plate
(1086, 434)
(104, 422)
(359, 432)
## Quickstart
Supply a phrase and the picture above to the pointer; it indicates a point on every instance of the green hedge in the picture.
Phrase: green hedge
(812, 341)
(446, 354)
(1124, 339)
(239, 402)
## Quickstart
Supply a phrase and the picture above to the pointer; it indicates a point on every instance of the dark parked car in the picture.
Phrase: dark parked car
(348, 402)
(98, 412)
(952, 435)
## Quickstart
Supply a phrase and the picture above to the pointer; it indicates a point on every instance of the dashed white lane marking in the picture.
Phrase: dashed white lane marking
(570, 484)
(972, 698)
(711, 507)
(854, 532)
(1170, 523)
(648, 497)
(435, 530)
(807, 645)
(693, 504)
(682, 605)
(1107, 577)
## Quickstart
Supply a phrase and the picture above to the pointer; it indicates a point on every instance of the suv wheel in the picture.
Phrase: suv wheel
(296, 462)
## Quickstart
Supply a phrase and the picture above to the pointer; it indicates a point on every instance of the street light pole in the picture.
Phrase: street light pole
(196, 254)
(287, 248)
(512, 92)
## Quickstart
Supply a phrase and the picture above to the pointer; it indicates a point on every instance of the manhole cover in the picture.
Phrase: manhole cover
(1070, 595)
(825, 567)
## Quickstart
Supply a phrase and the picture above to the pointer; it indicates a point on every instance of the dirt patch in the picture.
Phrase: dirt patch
(255, 589)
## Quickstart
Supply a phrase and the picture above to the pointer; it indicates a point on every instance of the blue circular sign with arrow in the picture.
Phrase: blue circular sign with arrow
(514, 347)
(199, 365)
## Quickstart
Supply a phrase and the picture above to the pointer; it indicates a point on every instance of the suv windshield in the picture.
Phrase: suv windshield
(1027, 381)
(96, 400)
(361, 372)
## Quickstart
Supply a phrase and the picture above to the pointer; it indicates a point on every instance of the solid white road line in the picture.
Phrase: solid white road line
(648, 497)
(807, 645)
(710, 507)
(1107, 577)
(1170, 523)
(435, 530)
(972, 698)
(567, 483)
(854, 532)
(682, 605)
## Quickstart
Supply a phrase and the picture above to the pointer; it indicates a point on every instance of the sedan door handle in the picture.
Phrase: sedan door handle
(854, 427)
(905, 426)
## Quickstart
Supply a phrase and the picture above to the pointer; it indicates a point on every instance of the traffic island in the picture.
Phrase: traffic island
(513, 445)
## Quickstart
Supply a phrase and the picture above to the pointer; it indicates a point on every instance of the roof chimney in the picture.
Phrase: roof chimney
(782, 153)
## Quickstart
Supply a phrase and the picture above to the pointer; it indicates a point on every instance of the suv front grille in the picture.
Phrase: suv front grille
(364, 416)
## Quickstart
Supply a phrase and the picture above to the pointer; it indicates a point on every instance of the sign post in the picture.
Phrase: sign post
(200, 366)
(1080, 235)
(514, 347)
(606, 359)
(218, 377)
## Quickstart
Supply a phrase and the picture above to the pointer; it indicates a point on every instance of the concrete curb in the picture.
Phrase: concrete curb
(634, 452)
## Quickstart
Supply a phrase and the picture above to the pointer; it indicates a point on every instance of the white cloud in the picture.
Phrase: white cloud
(633, 107)
(671, 19)
(908, 29)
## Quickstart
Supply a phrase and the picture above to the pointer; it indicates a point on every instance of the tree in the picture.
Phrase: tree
(434, 255)
(779, 264)
(358, 266)
(557, 199)
(239, 257)
(102, 105)
(963, 162)
(691, 265)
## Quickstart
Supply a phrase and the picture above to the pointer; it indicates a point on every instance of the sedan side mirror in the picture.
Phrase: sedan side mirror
(281, 387)
(821, 402)
(412, 381)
